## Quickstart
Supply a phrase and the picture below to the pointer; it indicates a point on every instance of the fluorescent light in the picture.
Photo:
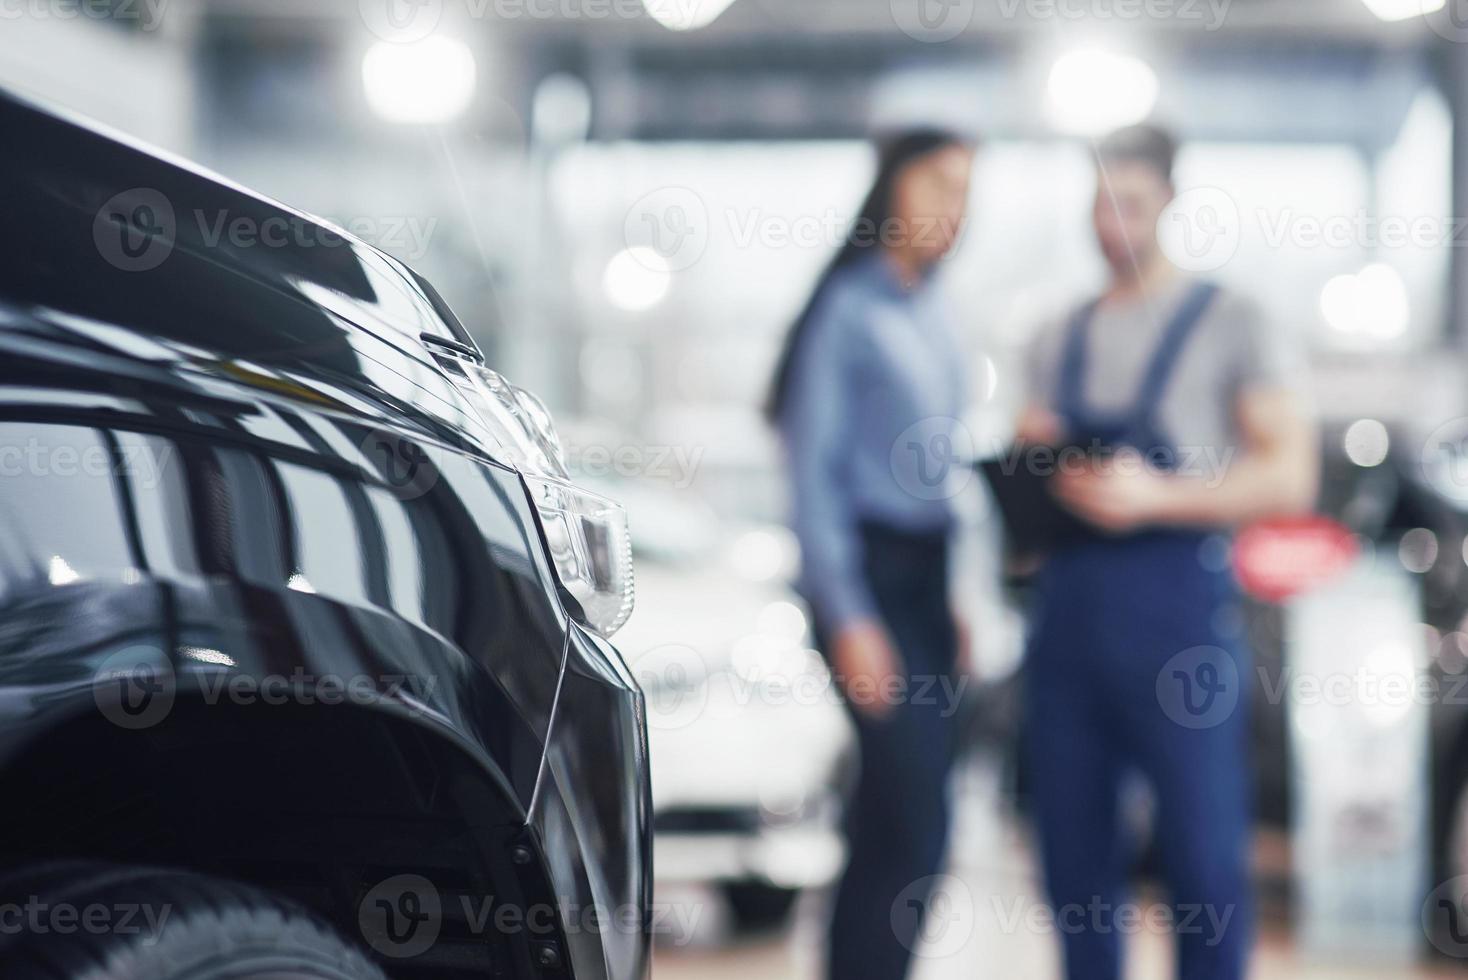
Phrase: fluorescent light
(429, 81)
(1091, 91)
(1394, 10)
(686, 15)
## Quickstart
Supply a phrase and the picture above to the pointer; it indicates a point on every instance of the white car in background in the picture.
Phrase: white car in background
(750, 745)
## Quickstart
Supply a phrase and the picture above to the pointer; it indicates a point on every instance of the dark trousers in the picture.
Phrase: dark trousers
(1133, 670)
(897, 819)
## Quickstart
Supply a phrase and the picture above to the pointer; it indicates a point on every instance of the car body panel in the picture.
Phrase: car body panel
(242, 473)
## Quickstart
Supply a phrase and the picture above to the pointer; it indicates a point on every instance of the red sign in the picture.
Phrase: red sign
(1278, 559)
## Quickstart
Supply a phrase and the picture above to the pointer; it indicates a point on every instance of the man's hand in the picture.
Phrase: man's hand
(1119, 496)
(866, 662)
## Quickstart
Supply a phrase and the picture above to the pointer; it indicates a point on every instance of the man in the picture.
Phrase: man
(1185, 418)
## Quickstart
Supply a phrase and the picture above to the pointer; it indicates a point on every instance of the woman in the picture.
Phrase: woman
(867, 399)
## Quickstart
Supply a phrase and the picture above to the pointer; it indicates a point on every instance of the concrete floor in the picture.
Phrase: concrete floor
(991, 859)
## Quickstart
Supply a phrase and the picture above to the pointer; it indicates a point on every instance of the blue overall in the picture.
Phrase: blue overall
(1134, 668)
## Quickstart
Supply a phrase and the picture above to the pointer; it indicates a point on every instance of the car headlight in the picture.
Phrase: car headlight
(520, 422)
(586, 533)
(592, 550)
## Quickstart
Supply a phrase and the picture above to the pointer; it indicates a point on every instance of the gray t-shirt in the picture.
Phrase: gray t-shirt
(1232, 349)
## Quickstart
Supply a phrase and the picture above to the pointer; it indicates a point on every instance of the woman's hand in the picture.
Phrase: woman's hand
(866, 663)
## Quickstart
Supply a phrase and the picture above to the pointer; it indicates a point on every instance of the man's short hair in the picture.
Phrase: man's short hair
(1146, 144)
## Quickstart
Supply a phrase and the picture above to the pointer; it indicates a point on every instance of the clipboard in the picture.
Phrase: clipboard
(1034, 521)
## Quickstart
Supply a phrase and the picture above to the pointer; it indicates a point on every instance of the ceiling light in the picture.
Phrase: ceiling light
(637, 279)
(1091, 91)
(1393, 10)
(686, 15)
(1370, 305)
(429, 81)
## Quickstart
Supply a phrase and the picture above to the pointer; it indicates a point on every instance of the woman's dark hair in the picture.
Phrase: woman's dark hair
(894, 154)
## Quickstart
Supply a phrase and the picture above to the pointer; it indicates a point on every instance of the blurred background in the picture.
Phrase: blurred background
(627, 202)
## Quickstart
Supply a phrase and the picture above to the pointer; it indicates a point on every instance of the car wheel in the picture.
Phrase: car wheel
(759, 907)
(86, 921)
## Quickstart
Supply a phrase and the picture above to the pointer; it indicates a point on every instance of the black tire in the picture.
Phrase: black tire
(181, 926)
(757, 908)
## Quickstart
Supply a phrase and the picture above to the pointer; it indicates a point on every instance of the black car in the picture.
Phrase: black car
(303, 667)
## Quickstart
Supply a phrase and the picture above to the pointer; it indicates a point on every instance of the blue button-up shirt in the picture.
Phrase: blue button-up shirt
(869, 422)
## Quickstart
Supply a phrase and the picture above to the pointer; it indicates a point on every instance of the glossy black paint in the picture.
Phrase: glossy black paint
(237, 470)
